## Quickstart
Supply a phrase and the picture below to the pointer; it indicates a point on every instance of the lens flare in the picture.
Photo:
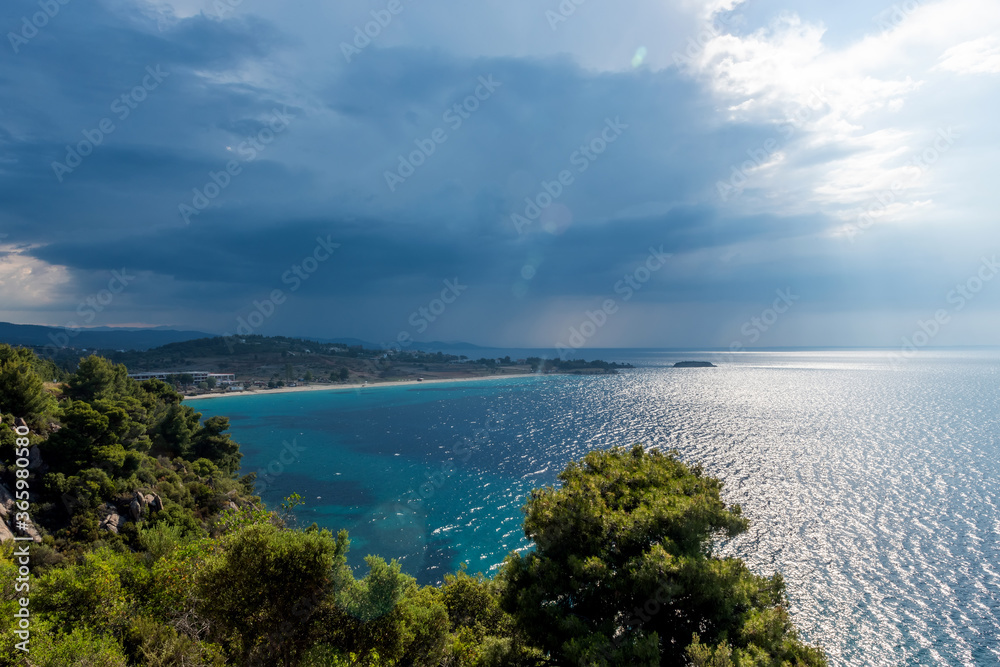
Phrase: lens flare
(640, 57)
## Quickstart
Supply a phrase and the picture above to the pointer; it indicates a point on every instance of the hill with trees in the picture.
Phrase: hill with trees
(147, 547)
(275, 361)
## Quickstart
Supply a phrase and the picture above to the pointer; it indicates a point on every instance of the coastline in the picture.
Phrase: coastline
(355, 387)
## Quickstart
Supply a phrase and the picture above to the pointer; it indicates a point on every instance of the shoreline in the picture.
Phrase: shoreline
(356, 387)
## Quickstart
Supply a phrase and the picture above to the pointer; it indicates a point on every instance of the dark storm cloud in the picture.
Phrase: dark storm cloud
(325, 174)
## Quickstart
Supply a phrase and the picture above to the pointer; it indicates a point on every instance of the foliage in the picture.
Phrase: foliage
(211, 443)
(99, 591)
(22, 387)
(83, 646)
(261, 577)
(622, 572)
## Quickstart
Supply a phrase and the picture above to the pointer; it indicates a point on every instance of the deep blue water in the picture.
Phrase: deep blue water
(872, 487)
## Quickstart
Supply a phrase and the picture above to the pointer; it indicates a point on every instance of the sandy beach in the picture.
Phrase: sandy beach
(351, 387)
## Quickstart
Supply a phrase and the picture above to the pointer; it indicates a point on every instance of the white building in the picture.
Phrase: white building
(221, 379)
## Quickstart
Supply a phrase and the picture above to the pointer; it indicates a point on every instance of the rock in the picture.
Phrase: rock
(5, 534)
(113, 521)
(20, 423)
(6, 502)
(231, 506)
(694, 364)
(155, 502)
(32, 532)
(137, 506)
(234, 499)
(29, 531)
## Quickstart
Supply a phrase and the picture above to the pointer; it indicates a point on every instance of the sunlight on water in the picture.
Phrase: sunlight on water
(873, 490)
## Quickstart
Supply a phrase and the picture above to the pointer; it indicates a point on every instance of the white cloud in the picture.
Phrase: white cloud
(26, 282)
(976, 56)
(849, 104)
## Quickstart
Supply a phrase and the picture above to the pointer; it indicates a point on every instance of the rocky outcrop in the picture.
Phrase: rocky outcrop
(6, 504)
(112, 521)
(31, 531)
(143, 503)
(694, 364)
(137, 506)
(5, 534)
(154, 502)
(7, 512)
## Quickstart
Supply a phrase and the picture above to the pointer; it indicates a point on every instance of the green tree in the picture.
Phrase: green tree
(384, 619)
(344, 374)
(622, 572)
(89, 593)
(22, 390)
(212, 443)
(289, 372)
(97, 377)
(175, 433)
(262, 587)
(308, 377)
(81, 647)
(85, 439)
(156, 393)
(482, 632)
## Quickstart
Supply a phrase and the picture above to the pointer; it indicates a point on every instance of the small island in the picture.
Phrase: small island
(695, 364)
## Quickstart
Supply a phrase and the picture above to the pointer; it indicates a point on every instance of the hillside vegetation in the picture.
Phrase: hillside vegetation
(147, 547)
(275, 361)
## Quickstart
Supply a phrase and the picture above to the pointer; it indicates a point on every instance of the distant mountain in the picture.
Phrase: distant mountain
(438, 346)
(344, 341)
(105, 338)
(133, 338)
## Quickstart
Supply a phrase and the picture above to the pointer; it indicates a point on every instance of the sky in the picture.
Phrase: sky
(531, 173)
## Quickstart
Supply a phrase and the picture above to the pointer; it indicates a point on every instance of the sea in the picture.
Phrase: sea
(871, 480)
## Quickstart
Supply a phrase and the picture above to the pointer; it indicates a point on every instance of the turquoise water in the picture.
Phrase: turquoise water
(872, 487)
